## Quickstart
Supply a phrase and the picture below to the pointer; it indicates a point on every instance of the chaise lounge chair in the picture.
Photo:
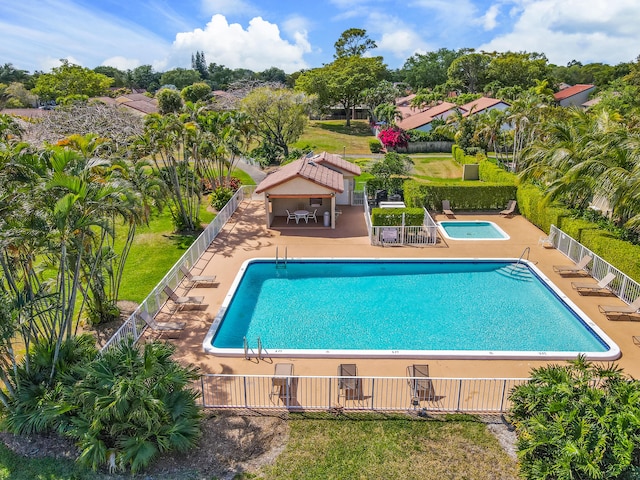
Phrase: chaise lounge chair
(350, 388)
(620, 310)
(420, 383)
(182, 300)
(282, 385)
(160, 327)
(511, 207)
(595, 288)
(547, 242)
(579, 268)
(446, 209)
(197, 279)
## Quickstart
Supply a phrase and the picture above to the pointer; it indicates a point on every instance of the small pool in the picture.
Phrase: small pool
(471, 230)
(458, 308)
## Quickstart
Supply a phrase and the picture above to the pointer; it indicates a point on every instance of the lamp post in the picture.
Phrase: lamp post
(344, 151)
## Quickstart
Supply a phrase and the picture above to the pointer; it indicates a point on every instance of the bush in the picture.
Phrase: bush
(463, 196)
(220, 196)
(393, 137)
(391, 217)
(577, 421)
(375, 146)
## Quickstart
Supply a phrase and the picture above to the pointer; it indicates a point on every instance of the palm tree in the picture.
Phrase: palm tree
(387, 113)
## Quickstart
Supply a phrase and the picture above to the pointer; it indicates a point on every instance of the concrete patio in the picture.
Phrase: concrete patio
(245, 236)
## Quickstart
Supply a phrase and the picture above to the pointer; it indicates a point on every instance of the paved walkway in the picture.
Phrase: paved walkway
(246, 236)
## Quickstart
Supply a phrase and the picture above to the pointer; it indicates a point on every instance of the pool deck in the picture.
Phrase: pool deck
(245, 236)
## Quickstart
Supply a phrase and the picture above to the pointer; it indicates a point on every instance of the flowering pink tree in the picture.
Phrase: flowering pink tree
(393, 137)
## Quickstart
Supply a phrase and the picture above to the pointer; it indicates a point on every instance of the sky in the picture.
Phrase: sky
(300, 34)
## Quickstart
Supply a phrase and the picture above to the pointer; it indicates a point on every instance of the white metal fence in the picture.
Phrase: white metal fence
(134, 326)
(623, 286)
(381, 394)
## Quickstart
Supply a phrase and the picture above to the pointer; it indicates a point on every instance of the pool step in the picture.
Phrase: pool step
(517, 272)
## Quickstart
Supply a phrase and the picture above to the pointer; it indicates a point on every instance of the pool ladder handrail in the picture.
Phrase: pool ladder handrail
(526, 250)
(278, 264)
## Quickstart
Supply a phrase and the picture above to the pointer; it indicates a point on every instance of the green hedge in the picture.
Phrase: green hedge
(619, 253)
(463, 196)
(392, 217)
(490, 172)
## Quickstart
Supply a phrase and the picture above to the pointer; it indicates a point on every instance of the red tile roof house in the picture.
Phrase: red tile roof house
(576, 95)
(422, 120)
(320, 182)
(483, 104)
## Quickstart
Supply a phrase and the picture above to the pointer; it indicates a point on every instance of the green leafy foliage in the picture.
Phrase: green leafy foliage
(389, 217)
(375, 146)
(463, 196)
(578, 421)
(69, 79)
(133, 403)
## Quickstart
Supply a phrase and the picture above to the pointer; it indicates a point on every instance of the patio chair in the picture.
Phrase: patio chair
(180, 301)
(446, 209)
(547, 242)
(620, 310)
(291, 216)
(579, 268)
(197, 279)
(313, 215)
(511, 207)
(161, 327)
(595, 288)
(350, 388)
(282, 385)
(420, 383)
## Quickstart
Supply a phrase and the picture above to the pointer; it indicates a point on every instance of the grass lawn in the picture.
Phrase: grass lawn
(436, 168)
(391, 448)
(334, 137)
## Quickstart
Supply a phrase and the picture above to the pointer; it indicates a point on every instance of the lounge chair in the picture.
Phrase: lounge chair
(291, 216)
(579, 268)
(547, 242)
(420, 383)
(282, 385)
(182, 300)
(446, 209)
(350, 388)
(511, 207)
(197, 279)
(620, 310)
(160, 327)
(601, 287)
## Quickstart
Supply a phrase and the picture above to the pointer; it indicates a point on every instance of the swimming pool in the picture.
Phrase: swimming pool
(459, 308)
(471, 230)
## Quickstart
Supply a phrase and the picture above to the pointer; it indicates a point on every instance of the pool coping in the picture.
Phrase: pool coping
(612, 353)
(445, 234)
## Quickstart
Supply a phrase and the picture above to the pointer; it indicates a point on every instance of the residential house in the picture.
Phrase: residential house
(576, 95)
(422, 120)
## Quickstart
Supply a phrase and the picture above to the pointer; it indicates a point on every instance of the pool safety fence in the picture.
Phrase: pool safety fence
(623, 286)
(135, 325)
(374, 394)
(425, 234)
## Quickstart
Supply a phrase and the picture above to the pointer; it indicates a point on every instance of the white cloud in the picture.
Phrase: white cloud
(566, 30)
(35, 34)
(394, 36)
(122, 63)
(258, 47)
(489, 21)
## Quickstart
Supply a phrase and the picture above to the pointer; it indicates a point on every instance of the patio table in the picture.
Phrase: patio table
(300, 214)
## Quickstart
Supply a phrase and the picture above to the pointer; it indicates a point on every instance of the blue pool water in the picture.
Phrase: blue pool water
(402, 307)
(475, 230)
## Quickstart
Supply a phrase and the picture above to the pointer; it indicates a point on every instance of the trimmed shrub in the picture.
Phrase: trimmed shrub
(490, 172)
(375, 146)
(392, 217)
(463, 196)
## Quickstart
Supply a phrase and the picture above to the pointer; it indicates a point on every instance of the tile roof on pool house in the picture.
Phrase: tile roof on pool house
(324, 169)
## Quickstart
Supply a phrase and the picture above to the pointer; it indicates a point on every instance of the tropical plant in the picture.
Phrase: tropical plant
(578, 421)
(133, 403)
(393, 137)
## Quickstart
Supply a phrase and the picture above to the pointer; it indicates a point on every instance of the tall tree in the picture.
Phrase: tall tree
(343, 81)
(279, 115)
(430, 69)
(469, 72)
(68, 79)
(353, 42)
